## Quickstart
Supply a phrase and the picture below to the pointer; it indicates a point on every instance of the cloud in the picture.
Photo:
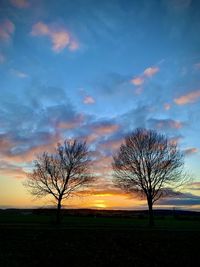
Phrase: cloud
(111, 145)
(7, 29)
(137, 81)
(102, 192)
(105, 128)
(51, 94)
(134, 118)
(11, 170)
(139, 90)
(194, 186)
(167, 106)
(6, 143)
(71, 124)
(19, 73)
(190, 151)
(188, 98)
(24, 149)
(60, 37)
(103, 165)
(183, 199)
(103, 187)
(73, 45)
(20, 3)
(149, 72)
(34, 122)
(2, 58)
(88, 100)
(165, 123)
(197, 66)
(177, 5)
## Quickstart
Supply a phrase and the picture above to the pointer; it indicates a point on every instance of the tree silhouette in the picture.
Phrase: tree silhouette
(149, 163)
(60, 174)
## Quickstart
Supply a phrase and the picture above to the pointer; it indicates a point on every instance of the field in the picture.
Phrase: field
(95, 239)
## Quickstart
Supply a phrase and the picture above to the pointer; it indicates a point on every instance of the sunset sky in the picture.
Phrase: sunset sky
(96, 70)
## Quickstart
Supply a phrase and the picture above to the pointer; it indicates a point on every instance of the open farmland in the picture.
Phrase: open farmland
(93, 239)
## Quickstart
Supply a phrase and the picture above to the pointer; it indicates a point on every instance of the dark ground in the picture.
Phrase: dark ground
(88, 238)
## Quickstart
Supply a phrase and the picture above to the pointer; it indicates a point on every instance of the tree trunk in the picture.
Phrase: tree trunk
(58, 215)
(151, 217)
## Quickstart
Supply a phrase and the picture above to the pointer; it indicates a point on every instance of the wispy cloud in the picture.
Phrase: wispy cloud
(59, 36)
(2, 58)
(105, 128)
(19, 73)
(147, 73)
(166, 123)
(71, 124)
(7, 29)
(111, 145)
(88, 100)
(183, 199)
(197, 66)
(11, 170)
(20, 3)
(191, 97)
(191, 150)
(177, 5)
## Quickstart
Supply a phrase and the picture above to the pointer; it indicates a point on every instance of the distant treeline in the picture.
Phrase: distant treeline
(106, 213)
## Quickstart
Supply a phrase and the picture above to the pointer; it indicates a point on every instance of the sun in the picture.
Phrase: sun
(100, 206)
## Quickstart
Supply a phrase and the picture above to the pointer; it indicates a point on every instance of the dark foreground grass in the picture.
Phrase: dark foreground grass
(87, 241)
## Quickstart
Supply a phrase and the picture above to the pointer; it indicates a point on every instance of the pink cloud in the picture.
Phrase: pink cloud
(112, 145)
(7, 145)
(10, 170)
(171, 123)
(88, 100)
(7, 29)
(149, 72)
(103, 165)
(76, 122)
(60, 40)
(91, 138)
(166, 123)
(20, 3)
(137, 81)
(188, 98)
(105, 129)
(60, 37)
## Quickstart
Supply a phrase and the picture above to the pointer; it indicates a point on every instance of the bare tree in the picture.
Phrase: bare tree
(60, 174)
(149, 163)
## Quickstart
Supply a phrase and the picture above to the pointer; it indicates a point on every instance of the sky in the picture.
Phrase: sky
(97, 70)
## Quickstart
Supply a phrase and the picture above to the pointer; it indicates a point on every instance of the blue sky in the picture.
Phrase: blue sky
(96, 70)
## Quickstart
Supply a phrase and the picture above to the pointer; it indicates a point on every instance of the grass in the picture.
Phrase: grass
(34, 240)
